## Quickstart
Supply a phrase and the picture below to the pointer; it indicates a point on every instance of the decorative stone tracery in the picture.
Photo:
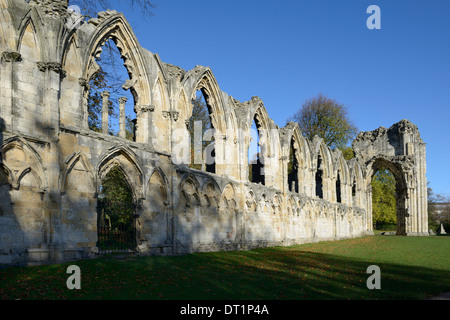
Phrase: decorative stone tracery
(52, 165)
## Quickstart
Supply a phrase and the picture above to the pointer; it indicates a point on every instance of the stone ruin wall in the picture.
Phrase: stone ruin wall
(52, 164)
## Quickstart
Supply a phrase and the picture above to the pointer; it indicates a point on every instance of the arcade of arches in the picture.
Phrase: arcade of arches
(53, 166)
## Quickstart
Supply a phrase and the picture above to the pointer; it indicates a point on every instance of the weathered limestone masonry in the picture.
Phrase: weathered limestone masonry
(52, 165)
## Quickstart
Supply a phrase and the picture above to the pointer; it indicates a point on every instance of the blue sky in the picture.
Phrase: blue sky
(288, 51)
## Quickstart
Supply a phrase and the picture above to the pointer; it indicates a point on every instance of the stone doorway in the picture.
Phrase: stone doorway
(116, 215)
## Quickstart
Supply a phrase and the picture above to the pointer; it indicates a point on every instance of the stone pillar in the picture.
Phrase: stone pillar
(53, 73)
(85, 94)
(105, 109)
(122, 131)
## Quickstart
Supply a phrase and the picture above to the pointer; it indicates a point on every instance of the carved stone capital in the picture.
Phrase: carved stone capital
(172, 114)
(149, 108)
(10, 56)
(51, 66)
(123, 100)
(42, 66)
(84, 83)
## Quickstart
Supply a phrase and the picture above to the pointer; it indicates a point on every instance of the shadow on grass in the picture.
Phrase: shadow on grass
(268, 274)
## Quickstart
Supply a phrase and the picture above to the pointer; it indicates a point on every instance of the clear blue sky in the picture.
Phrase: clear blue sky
(288, 51)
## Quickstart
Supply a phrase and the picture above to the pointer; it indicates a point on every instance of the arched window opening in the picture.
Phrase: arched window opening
(384, 201)
(201, 132)
(338, 189)
(319, 178)
(111, 99)
(292, 169)
(116, 225)
(254, 153)
(354, 190)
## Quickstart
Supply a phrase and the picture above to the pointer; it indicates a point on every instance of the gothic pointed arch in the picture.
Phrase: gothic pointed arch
(402, 191)
(211, 182)
(263, 162)
(251, 200)
(128, 163)
(202, 78)
(229, 190)
(183, 106)
(29, 43)
(80, 163)
(8, 35)
(114, 26)
(21, 161)
(322, 164)
(356, 182)
(211, 190)
(189, 189)
(263, 123)
(158, 182)
(160, 95)
(341, 175)
(73, 102)
(295, 145)
(163, 115)
(318, 147)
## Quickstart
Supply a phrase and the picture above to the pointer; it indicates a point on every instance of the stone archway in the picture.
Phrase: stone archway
(116, 214)
(402, 151)
(395, 169)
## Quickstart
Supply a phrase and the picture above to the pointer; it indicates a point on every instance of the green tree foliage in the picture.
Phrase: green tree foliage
(117, 199)
(326, 118)
(115, 212)
(348, 153)
(115, 188)
(383, 199)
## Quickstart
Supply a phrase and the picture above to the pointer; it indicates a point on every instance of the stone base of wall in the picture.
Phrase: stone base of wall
(57, 254)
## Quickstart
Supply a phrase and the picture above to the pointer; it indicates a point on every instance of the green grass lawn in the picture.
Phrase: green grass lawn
(411, 268)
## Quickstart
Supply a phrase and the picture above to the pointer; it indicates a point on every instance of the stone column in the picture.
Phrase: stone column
(85, 96)
(122, 131)
(53, 73)
(105, 109)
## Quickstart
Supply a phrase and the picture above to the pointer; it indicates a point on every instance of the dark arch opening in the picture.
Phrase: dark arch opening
(201, 131)
(255, 165)
(319, 177)
(388, 198)
(116, 224)
(292, 169)
(354, 189)
(338, 188)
